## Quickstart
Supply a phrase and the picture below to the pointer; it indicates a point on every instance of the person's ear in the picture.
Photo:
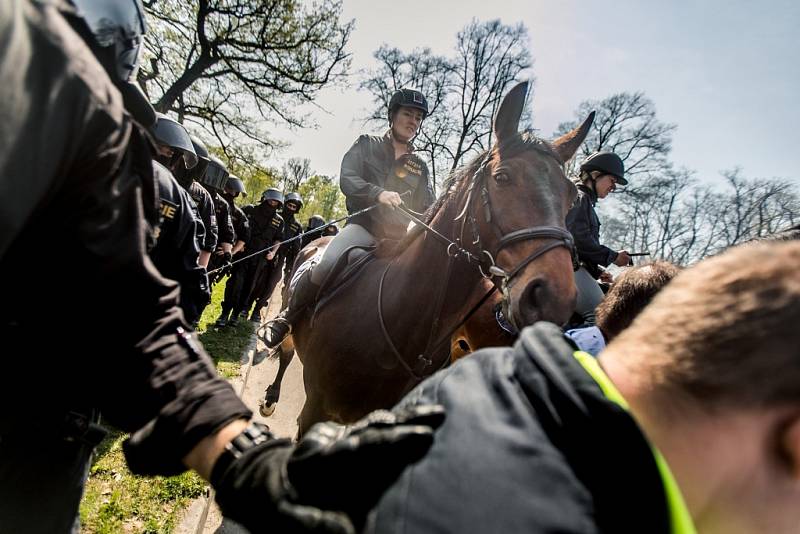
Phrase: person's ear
(790, 445)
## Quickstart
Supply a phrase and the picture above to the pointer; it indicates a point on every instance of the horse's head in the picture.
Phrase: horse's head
(517, 206)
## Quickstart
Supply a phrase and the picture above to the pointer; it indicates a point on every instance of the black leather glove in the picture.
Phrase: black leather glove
(278, 487)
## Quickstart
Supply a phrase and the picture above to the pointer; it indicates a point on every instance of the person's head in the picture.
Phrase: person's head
(331, 229)
(234, 187)
(216, 175)
(631, 292)
(293, 203)
(711, 369)
(273, 198)
(315, 221)
(114, 31)
(407, 109)
(602, 172)
(175, 149)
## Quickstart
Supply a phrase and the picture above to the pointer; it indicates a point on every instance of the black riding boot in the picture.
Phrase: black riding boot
(278, 328)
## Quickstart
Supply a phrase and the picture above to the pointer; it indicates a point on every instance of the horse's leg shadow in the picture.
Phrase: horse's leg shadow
(285, 353)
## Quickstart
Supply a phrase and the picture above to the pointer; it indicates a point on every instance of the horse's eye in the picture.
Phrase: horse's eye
(502, 178)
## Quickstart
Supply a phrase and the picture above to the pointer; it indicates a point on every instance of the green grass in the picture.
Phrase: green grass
(116, 500)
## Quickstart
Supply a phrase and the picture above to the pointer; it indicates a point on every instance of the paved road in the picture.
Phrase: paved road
(283, 423)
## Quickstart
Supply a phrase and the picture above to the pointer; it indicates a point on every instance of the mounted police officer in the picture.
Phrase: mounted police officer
(176, 152)
(283, 260)
(376, 170)
(600, 174)
(266, 228)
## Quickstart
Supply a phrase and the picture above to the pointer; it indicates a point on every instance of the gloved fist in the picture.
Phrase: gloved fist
(284, 488)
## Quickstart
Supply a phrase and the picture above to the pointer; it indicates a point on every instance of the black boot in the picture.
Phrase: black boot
(255, 317)
(223, 319)
(276, 330)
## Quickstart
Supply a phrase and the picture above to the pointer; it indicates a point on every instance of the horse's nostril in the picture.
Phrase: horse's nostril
(533, 294)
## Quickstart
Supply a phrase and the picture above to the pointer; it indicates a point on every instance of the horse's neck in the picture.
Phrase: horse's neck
(425, 283)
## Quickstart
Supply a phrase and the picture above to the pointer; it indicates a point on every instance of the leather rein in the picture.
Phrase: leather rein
(483, 259)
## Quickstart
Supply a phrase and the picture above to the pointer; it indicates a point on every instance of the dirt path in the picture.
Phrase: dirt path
(283, 423)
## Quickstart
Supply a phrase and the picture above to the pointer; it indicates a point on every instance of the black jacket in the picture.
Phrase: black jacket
(227, 234)
(288, 252)
(207, 213)
(583, 223)
(177, 249)
(368, 169)
(529, 444)
(241, 226)
(73, 178)
(266, 227)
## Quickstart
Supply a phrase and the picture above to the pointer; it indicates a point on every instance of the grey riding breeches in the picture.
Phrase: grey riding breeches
(351, 235)
(589, 296)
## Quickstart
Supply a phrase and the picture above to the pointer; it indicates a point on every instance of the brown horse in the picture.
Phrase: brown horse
(503, 214)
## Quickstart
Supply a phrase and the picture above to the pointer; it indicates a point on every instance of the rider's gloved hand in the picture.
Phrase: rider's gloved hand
(623, 259)
(279, 487)
(390, 198)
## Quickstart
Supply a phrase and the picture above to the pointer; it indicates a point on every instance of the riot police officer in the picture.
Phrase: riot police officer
(176, 252)
(314, 222)
(266, 228)
(376, 170)
(241, 226)
(176, 152)
(283, 260)
(214, 180)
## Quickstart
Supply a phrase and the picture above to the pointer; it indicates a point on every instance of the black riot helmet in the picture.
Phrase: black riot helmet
(607, 163)
(315, 221)
(235, 185)
(409, 98)
(216, 176)
(272, 194)
(198, 171)
(294, 198)
(172, 134)
(117, 30)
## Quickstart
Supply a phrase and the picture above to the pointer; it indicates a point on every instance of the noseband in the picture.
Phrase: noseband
(559, 237)
(484, 259)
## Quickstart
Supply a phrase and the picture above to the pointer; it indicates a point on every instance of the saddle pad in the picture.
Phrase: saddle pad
(305, 266)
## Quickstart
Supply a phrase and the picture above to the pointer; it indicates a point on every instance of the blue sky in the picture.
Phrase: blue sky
(727, 73)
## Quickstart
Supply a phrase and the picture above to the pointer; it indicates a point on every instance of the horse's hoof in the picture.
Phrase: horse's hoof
(266, 409)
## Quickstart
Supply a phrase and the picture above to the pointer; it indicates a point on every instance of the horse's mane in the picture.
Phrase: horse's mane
(463, 177)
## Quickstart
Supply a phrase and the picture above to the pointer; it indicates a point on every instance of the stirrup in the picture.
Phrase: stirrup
(271, 341)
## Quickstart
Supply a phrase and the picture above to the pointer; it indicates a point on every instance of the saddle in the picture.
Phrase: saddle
(344, 271)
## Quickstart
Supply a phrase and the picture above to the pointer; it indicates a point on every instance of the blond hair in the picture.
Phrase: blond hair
(725, 332)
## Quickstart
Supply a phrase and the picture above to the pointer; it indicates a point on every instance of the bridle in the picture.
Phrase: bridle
(476, 254)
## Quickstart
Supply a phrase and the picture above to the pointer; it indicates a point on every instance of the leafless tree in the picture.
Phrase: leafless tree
(234, 65)
(625, 124)
(295, 172)
(464, 90)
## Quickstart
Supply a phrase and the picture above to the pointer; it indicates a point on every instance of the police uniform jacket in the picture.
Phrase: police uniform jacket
(529, 444)
(176, 251)
(584, 225)
(368, 169)
(78, 177)
(207, 214)
(266, 226)
(241, 226)
(226, 234)
(291, 228)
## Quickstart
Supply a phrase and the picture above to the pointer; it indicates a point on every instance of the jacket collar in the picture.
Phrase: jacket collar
(598, 437)
(588, 191)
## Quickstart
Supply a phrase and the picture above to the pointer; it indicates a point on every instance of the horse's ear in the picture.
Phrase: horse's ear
(568, 144)
(506, 123)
